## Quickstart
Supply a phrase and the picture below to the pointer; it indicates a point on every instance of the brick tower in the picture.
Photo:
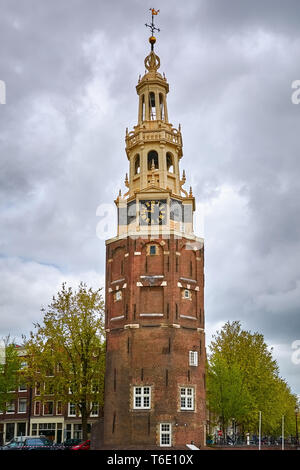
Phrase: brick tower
(155, 364)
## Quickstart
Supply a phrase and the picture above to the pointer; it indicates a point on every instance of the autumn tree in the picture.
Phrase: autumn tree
(66, 352)
(243, 379)
(10, 365)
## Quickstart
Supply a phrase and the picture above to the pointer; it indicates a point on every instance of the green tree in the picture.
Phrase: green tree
(10, 366)
(243, 379)
(227, 394)
(66, 353)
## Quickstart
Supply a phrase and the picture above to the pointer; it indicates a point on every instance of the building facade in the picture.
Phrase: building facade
(27, 415)
(155, 362)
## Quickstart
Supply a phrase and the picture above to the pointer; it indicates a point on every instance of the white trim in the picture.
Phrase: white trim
(117, 318)
(187, 316)
(118, 280)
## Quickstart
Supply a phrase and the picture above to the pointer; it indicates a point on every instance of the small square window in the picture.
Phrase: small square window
(187, 294)
(118, 295)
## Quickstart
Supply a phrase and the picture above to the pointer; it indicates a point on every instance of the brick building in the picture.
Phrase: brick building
(27, 415)
(155, 363)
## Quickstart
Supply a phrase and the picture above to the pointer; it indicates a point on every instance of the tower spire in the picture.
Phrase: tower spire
(152, 27)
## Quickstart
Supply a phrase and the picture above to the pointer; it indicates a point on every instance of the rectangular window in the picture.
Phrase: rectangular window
(95, 409)
(152, 250)
(48, 388)
(34, 429)
(71, 409)
(10, 407)
(23, 387)
(37, 408)
(59, 408)
(22, 407)
(187, 294)
(193, 358)
(165, 434)
(118, 295)
(77, 431)
(48, 408)
(186, 398)
(142, 398)
(37, 388)
(69, 431)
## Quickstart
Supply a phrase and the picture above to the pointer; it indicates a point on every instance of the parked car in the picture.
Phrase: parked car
(83, 446)
(14, 444)
(38, 443)
(69, 443)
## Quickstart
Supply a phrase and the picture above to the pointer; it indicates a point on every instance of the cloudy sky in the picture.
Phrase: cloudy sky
(70, 69)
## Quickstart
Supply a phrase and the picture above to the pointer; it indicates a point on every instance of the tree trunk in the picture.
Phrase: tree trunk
(84, 423)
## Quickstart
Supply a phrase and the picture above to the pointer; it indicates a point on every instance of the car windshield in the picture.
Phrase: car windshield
(38, 442)
(13, 444)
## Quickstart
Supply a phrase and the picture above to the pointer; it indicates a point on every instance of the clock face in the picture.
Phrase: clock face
(153, 212)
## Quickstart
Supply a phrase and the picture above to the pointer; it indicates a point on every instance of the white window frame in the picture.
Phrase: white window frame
(48, 414)
(61, 406)
(143, 396)
(186, 396)
(95, 410)
(193, 358)
(36, 389)
(187, 294)
(69, 408)
(165, 433)
(22, 389)
(12, 402)
(34, 408)
(23, 400)
(118, 295)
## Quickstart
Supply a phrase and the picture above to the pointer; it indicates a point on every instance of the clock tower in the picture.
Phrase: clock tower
(155, 360)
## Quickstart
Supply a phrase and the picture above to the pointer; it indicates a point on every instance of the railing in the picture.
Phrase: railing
(173, 136)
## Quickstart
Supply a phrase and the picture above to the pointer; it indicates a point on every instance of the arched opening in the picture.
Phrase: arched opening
(143, 107)
(152, 106)
(170, 162)
(152, 157)
(137, 164)
(161, 107)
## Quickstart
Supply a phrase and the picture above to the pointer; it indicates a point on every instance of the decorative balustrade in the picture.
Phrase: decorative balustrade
(173, 136)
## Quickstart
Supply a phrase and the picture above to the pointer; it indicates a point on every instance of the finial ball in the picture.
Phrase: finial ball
(152, 39)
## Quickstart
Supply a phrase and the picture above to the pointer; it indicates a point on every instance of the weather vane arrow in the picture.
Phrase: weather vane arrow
(152, 27)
